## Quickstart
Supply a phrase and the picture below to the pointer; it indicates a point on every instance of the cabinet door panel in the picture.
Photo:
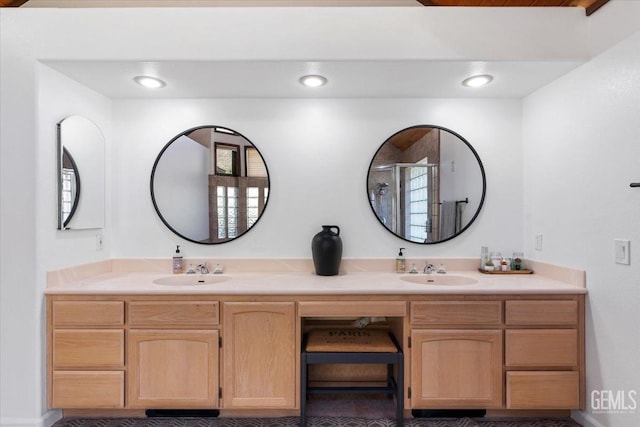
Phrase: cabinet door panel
(87, 389)
(543, 390)
(541, 347)
(260, 355)
(173, 314)
(456, 313)
(172, 369)
(456, 368)
(541, 312)
(88, 348)
(88, 313)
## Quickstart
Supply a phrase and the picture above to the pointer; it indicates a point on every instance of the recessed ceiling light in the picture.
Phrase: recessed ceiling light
(313, 80)
(477, 81)
(150, 82)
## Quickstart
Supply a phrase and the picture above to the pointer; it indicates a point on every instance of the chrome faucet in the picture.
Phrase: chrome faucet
(429, 268)
(202, 268)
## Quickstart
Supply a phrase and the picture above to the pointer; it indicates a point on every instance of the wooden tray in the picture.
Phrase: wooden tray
(506, 272)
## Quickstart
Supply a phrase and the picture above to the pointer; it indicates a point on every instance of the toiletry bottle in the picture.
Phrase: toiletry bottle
(401, 265)
(484, 256)
(177, 261)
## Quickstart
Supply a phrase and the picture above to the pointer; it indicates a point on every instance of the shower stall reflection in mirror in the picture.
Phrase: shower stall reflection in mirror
(406, 199)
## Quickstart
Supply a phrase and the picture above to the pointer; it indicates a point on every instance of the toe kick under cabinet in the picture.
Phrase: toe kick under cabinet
(241, 353)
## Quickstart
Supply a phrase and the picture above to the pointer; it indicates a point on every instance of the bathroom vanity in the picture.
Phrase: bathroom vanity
(118, 341)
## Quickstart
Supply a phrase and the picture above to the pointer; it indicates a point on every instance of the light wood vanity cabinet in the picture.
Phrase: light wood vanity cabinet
(86, 354)
(132, 352)
(544, 354)
(172, 368)
(458, 343)
(169, 364)
(260, 348)
(457, 367)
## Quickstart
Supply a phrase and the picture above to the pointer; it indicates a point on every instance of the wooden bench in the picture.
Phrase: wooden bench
(357, 346)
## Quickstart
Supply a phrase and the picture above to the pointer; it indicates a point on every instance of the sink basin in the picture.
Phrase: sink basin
(439, 279)
(190, 280)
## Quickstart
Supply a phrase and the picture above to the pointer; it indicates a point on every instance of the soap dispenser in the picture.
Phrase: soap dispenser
(177, 261)
(401, 265)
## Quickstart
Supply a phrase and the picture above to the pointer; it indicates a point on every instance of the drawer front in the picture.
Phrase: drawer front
(456, 312)
(543, 390)
(174, 313)
(352, 308)
(541, 312)
(88, 389)
(88, 348)
(88, 313)
(541, 347)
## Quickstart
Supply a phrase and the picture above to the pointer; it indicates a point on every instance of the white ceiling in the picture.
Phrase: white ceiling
(347, 79)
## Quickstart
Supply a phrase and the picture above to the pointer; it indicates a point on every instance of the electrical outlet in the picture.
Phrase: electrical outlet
(622, 247)
(538, 242)
(99, 242)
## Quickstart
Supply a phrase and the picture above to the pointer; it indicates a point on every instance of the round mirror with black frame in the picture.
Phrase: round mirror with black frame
(209, 185)
(426, 184)
(69, 190)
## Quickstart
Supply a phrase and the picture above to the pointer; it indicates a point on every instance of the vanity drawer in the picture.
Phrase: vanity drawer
(352, 308)
(174, 313)
(87, 389)
(88, 348)
(456, 312)
(543, 390)
(88, 313)
(541, 347)
(541, 312)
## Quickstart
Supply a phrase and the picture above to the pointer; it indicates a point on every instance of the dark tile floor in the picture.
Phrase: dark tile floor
(323, 411)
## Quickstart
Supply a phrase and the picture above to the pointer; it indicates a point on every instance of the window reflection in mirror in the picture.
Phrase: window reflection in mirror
(70, 191)
(210, 185)
(426, 184)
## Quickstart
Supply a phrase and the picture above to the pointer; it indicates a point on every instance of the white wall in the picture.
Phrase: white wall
(29, 182)
(460, 175)
(181, 187)
(60, 97)
(318, 153)
(581, 151)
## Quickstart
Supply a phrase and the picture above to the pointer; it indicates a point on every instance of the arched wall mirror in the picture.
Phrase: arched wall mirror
(80, 154)
(426, 184)
(209, 185)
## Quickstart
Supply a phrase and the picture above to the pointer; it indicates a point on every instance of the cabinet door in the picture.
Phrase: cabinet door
(456, 368)
(172, 369)
(260, 351)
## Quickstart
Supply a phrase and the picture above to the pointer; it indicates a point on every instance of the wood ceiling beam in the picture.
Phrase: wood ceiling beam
(12, 3)
(590, 6)
(595, 6)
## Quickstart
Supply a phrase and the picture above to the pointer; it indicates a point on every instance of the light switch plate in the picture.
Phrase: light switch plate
(538, 242)
(622, 247)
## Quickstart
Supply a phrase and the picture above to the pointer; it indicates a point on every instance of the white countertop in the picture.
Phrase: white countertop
(297, 283)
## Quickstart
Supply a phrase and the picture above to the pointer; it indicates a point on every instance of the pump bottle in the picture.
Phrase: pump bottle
(177, 261)
(401, 265)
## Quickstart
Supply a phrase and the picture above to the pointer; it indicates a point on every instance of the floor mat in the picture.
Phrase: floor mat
(311, 422)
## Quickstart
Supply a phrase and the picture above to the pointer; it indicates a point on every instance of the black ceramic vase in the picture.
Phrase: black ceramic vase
(326, 248)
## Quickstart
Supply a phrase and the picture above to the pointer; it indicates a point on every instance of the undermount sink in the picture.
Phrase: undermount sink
(190, 280)
(439, 279)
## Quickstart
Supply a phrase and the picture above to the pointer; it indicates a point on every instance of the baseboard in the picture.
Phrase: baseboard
(48, 419)
(585, 419)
